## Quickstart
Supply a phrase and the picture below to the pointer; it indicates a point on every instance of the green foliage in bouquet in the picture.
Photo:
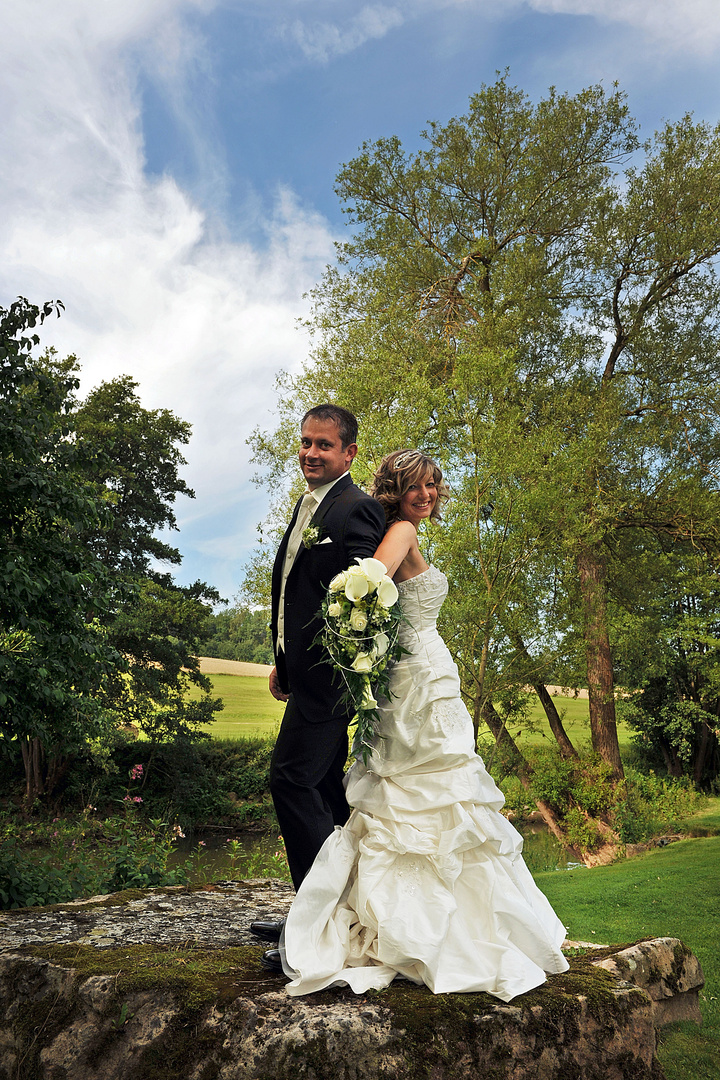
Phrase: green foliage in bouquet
(361, 615)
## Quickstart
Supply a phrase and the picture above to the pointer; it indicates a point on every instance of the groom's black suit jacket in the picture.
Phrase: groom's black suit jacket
(352, 524)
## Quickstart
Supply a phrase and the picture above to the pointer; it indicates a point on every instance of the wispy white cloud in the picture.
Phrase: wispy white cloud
(152, 285)
(674, 25)
(321, 41)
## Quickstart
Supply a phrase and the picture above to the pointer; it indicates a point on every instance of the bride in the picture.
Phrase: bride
(426, 879)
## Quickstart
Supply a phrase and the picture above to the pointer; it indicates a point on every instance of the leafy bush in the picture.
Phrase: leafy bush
(581, 831)
(580, 790)
(193, 783)
(653, 804)
(131, 855)
(552, 779)
(584, 783)
(518, 803)
(28, 879)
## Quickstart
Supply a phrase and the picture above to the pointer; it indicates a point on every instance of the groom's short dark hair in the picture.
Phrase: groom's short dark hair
(346, 422)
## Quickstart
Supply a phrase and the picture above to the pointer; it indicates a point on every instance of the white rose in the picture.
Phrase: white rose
(387, 592)
(373, 569)
(382, 644)
(356, 584)
(358, 619)
(338, 582)
(334, 609)
(363, 663)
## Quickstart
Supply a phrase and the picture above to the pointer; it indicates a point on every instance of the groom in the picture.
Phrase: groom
(333, 523)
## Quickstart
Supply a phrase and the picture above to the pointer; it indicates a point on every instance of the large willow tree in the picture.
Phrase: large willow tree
(532, 298)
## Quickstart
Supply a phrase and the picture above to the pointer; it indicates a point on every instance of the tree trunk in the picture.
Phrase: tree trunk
(32, 753)
(673, 763)
(485, 711)
(504, 739)
(708, 744)
(601, 689)
(57, 767)
(556, 725)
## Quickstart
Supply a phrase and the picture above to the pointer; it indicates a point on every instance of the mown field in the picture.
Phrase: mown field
(249, 707)
(250, 710)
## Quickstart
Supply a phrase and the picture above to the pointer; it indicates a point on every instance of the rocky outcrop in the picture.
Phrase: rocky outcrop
(165, 984)
(667, 971)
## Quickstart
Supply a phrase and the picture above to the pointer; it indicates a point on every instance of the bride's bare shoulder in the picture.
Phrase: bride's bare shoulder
(401, 529)
(400, 538)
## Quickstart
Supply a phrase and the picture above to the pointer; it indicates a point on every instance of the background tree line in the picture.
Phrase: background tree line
(240, 633)
(532, 298)
(93, 636)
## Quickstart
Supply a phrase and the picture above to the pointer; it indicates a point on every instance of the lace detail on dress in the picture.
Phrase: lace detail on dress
(415, 580)
(450, 716)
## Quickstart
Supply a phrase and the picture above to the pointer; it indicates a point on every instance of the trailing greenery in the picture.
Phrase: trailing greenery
(122, 822)
(84, 859)
(126, 834)
(68, 859)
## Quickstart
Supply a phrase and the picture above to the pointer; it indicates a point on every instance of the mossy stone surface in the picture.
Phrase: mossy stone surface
(178, 994)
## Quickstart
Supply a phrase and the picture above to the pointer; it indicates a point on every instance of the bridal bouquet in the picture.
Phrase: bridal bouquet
(361, 616)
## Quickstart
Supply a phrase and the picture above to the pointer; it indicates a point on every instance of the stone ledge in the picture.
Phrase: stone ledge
(164, 985)
(667, 971)
(213, 915)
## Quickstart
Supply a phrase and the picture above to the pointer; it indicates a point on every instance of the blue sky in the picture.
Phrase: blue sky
(168, 168)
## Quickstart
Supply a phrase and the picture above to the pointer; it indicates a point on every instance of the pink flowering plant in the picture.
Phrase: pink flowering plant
(361, 615)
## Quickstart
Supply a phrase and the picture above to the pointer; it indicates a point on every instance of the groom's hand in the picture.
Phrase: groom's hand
(275, 688)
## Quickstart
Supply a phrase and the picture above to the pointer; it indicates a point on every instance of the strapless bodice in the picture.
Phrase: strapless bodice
(421, 598)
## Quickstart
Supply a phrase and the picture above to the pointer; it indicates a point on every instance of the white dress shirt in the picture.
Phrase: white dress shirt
(311, 501)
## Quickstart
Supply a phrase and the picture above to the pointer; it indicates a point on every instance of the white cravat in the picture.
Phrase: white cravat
(308, 506)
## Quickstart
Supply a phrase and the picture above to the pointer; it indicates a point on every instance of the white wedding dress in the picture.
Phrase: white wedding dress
(426, 880)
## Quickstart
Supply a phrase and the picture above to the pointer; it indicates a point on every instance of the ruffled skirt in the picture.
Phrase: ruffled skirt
(426, 880)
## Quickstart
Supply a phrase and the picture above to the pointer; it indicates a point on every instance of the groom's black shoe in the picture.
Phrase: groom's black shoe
(271, 961)
(268, 931)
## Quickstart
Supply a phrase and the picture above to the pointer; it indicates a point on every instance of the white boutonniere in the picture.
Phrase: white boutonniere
(311, 535)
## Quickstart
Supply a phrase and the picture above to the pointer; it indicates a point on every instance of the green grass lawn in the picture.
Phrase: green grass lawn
(670, 892)
(249, 709)
(706, 820)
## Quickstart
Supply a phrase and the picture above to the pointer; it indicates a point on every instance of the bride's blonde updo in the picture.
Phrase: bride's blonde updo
(397, 473)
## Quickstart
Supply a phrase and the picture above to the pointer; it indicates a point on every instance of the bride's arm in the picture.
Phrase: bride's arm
(395, 545)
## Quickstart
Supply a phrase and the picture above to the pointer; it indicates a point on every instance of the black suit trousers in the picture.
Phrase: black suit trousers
(306, 782)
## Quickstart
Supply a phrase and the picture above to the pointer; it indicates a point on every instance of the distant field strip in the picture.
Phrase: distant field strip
(211, 665)
(249, 707)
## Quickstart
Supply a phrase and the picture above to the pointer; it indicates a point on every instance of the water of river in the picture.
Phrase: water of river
(212, 857)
